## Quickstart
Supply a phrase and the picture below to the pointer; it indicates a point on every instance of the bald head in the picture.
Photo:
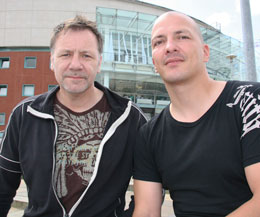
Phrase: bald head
(171, 16)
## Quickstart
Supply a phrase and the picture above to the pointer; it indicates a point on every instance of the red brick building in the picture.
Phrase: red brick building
(23, 73)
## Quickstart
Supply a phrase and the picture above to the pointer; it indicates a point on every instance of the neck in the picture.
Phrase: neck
(80, 102)
(191, 100)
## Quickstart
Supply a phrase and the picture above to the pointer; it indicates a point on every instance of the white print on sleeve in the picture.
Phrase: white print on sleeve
(250, 108)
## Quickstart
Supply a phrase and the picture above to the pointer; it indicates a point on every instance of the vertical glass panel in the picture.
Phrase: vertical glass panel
(126, 19)
(145, 22)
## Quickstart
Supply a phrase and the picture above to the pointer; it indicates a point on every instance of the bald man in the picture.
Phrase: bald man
(205, 146)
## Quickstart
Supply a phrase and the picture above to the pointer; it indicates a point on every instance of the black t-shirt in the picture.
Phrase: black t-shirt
(202, 163)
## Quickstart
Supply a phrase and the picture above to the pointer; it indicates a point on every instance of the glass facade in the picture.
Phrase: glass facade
(226, 57)
(127, 58)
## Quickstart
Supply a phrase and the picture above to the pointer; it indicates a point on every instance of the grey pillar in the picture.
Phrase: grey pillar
(248, 40)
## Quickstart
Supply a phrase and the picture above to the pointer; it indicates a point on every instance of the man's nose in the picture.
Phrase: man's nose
(171, 46)
(76, 63)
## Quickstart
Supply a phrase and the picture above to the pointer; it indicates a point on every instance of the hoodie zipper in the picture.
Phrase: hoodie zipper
(106, 137)
(53, 168)
(48, 116)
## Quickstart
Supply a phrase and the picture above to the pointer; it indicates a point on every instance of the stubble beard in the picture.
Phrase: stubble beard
(75, 88)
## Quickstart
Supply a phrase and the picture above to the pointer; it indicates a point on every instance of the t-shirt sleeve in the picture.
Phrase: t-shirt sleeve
(251, 147)
(145, 167)
(250, 117)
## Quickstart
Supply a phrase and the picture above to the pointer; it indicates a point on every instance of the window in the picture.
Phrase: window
(3, 90)
(4, 62)
(2, 119)
(28, 90)
(50, 86)
(30, 62)
(1, 135)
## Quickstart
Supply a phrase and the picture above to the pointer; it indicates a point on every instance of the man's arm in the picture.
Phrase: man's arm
(148, 199)
(9, 183)
(252, 207)
(10, 170)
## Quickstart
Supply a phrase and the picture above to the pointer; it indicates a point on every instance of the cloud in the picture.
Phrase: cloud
(222, 18)
(254, 6)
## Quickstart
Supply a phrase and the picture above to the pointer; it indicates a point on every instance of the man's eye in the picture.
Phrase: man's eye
(156, 43)
(184, 37)
(64, 54)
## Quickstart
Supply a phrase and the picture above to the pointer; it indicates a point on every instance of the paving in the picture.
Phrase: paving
(21, 200)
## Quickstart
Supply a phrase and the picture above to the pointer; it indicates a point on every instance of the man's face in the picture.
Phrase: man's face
(177, 49)
(76, 61)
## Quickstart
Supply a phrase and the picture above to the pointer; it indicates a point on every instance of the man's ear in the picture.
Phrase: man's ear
(206, 52)
(52, 64)
(154, 66)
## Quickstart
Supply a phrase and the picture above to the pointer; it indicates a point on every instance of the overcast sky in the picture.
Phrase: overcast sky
(223, 13)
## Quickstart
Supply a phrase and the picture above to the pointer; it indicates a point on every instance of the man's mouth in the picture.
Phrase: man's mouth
(173, 61)
(75, 77)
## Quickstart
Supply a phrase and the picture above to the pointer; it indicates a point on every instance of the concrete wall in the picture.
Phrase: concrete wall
(28, 23)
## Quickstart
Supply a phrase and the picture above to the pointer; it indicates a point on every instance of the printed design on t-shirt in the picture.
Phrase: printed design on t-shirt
(249, 106)
(77, 145)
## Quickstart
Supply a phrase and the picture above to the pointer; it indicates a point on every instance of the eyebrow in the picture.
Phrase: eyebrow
(157, 36)
(69, 50)
(178, 32)
(182, 31)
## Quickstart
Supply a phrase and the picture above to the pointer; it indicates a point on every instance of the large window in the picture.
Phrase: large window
(126, 35)
(4, 62)
(28, 90)
(3, 90)
(2, 119)
(30, 62)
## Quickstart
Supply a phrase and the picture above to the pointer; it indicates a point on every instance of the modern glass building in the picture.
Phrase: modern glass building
(127, 64)
(25, 29)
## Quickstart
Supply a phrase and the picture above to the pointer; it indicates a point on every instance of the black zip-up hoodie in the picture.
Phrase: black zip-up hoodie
(28, 149)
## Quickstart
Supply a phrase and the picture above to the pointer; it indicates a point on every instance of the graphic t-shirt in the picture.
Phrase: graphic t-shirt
(79, 137)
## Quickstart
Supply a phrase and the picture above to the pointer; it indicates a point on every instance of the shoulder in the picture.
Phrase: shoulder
(243, 86)
(24, 103)
(242, 92)
(155, 125)
(245, 101)
(38, 102)
(138, 111)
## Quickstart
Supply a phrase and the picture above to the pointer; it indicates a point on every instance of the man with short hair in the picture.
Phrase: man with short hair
(74, 144)
(205, 146)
